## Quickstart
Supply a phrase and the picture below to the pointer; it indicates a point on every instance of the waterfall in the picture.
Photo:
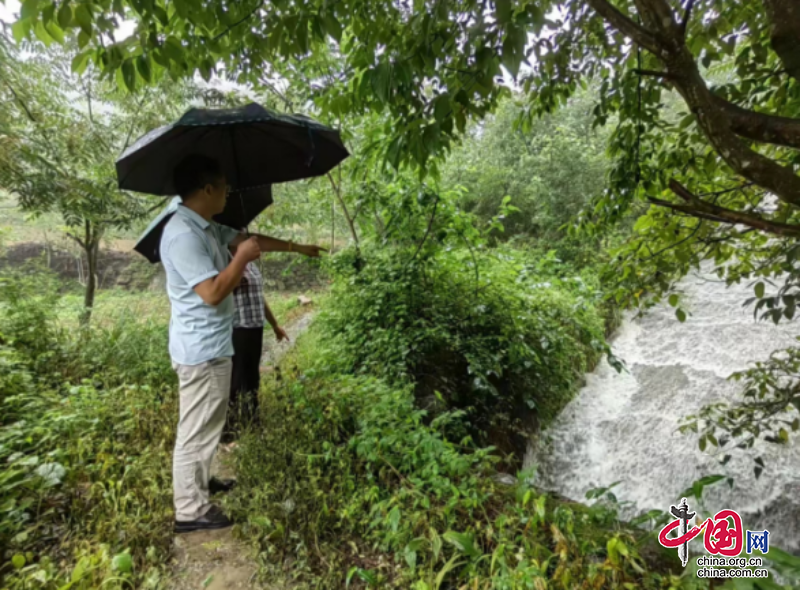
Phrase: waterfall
(623, 426)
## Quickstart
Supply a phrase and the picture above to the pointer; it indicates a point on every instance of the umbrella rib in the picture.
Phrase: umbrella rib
(284, 140)
(181, 132)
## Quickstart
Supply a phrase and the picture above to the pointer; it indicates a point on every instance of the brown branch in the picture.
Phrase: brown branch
(428, 231)
(77, 239)
(20, 101)
(675, 244)
(240, 21)
(696, 207)
(761, 127)
(337, 192)
(624, 25)
(160, 204)
(784, 17)
(654, 73)
(685, 209)
(667, 45)
(687, 15)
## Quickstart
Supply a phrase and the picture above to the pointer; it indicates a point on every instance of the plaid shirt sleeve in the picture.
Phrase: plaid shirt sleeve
(249, 299)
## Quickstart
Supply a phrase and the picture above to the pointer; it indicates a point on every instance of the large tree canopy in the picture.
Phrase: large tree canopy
(721, 170)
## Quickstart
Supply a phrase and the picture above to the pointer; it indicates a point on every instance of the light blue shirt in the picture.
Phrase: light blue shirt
(192, 251)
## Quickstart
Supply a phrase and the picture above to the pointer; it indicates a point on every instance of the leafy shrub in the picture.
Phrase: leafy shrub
(84, 494)
(28, 298)
(486, 332)
(347, 482)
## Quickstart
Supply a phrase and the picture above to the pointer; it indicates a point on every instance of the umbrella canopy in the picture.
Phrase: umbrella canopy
(254, 146)
(241, 208)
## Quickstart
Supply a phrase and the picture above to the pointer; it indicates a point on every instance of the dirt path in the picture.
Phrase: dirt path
(215, 560)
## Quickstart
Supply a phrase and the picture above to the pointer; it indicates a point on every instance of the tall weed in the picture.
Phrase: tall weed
(86, 430)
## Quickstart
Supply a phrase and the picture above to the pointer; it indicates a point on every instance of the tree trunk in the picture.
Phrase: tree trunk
(333, 224)
(91, 282)
(91, 246)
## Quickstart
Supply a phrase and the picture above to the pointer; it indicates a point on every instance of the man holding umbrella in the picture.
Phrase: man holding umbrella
(203, 157)
(200, 281)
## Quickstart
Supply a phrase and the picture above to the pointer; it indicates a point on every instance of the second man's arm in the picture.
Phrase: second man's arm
(268, 244)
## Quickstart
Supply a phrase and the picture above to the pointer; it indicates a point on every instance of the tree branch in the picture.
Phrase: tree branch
(428, 231)
(624, 25)
(240, 21)
(20, 101)
(77, 239)
(696, 207)
(784, 17)
(760, 127)
(337, 192)
(687, 15)
(654, 73)
(161, 203)
(667, 45)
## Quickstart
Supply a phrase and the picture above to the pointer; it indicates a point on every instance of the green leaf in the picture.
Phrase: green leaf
(84, 18)
(18, 561)
(380, 81)
(332, 26)
(29, 10)
(183, 8)
(161, 15)
(673, 300)
(686, 121)
(143, 66)
(463, 542)
(65, 14)
(759, 289)
(410, 556)
(681, 315)
(503, 11)
(393, 152)
(442, 107)
(129, 74)
(301, 36)
(42, 34)
(55, 31)
(173, 49)
(122, 563)
(450, 565)
(394, 518)
(83, 39)
(20, 30)
(80, 569)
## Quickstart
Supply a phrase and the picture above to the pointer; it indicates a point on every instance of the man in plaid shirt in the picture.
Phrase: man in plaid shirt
(248, 337)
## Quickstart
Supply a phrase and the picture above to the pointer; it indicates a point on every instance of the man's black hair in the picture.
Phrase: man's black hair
(195, 172)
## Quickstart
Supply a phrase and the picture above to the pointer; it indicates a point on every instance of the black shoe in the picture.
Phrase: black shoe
(213, 519)
(216, 486)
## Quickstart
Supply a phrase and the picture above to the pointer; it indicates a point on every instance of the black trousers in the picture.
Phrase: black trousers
(246, 377)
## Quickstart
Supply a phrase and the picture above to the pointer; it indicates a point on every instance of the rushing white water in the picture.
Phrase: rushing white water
(623, 427)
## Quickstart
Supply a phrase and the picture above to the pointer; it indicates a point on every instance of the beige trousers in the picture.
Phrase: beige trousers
(204, 391)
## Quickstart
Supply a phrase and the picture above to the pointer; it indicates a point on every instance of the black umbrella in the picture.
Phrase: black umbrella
(254, 146)
(241, 208)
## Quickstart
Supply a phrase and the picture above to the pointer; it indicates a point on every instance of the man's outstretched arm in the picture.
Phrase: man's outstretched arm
(268, 244)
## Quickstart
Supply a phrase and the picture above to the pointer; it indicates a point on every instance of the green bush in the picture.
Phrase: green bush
(348, 483)
(488, 332)
(86, 431)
